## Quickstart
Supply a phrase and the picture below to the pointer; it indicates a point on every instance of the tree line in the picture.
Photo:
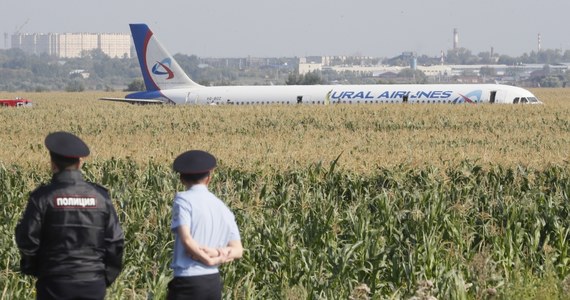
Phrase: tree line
(94, 70)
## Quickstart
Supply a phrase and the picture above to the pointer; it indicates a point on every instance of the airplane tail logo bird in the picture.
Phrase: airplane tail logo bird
(163, 68)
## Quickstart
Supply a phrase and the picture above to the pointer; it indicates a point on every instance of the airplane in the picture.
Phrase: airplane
(167, 83)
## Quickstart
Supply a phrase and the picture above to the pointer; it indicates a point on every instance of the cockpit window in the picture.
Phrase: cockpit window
(516, 100)
(533, 99)
(523, 100)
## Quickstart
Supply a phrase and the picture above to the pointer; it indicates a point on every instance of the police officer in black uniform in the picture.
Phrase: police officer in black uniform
(69, 236)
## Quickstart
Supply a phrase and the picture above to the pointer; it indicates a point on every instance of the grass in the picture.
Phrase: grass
(321, 232)
(453, 202)
(288, 137)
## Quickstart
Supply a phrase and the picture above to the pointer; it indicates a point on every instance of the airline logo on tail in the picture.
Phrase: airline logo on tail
(163, 68)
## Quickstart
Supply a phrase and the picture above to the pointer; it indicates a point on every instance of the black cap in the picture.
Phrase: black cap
(66, 144)
(194, 162)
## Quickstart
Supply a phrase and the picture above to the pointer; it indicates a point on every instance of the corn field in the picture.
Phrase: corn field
(345, 202)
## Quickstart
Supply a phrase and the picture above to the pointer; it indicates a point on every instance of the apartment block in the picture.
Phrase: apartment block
(71, 45)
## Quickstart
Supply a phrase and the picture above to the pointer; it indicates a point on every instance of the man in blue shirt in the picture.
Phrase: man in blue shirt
(206, 234)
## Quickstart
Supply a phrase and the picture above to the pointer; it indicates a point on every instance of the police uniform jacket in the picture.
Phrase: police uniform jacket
(70, 229)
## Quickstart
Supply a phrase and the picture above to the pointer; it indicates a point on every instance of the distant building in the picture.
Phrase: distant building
(305, 68)
(70, 45)
(79, 73)
(435, 73)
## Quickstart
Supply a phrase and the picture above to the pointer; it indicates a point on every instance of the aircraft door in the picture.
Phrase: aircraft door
(492, 96)
(498, 96)
(191, 98)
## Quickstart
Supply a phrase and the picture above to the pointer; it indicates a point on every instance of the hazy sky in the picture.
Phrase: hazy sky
(263, 28)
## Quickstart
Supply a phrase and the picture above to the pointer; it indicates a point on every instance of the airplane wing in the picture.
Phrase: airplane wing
(134, 101)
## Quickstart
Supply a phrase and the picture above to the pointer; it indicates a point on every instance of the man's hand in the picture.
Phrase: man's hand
(214, 256)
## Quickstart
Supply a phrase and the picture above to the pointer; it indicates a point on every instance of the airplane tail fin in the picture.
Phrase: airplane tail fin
(159, 69)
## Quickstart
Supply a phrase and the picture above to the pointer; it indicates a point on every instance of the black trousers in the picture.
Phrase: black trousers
(65, 289)
(196, 287)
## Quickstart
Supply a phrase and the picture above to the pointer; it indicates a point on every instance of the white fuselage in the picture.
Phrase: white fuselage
(350, 94)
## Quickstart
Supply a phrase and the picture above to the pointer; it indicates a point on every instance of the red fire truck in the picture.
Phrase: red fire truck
(16, 102)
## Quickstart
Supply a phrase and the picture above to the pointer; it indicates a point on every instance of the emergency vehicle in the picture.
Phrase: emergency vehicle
(17, 102)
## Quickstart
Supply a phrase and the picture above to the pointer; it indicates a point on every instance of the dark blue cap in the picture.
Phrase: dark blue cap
(194, 162)
(66, 144)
